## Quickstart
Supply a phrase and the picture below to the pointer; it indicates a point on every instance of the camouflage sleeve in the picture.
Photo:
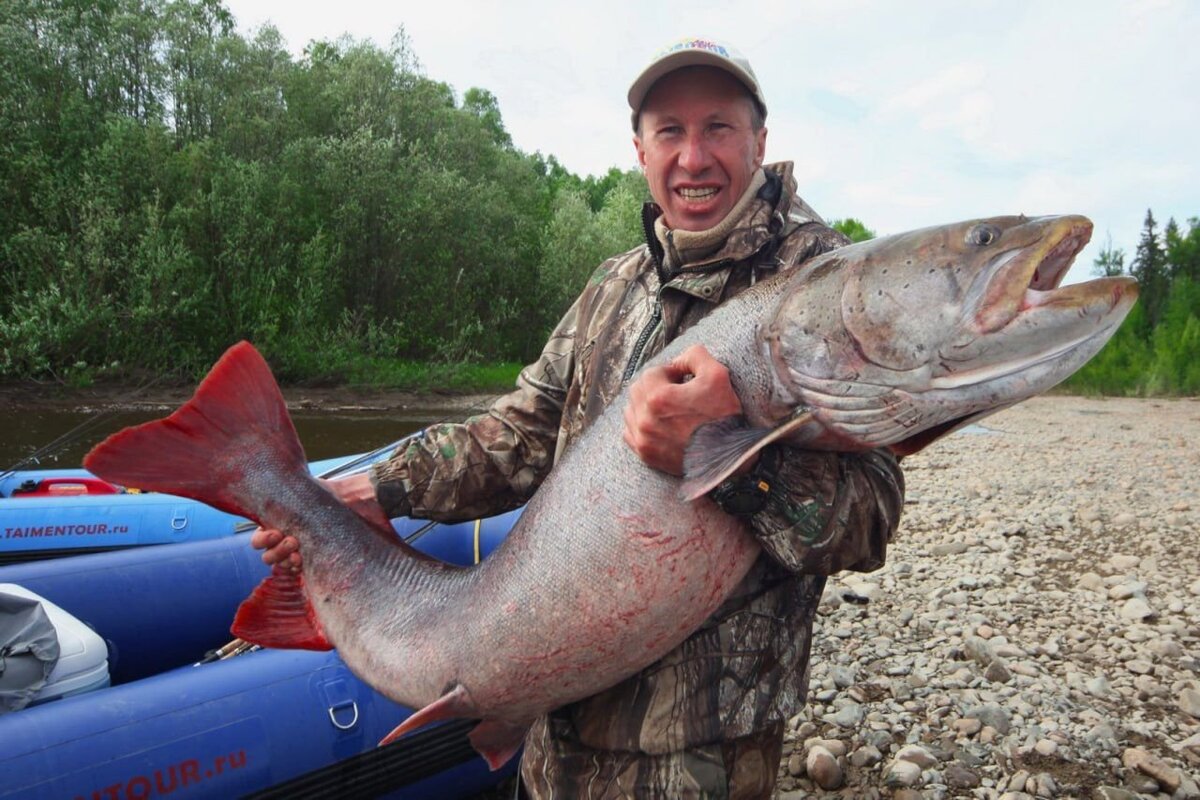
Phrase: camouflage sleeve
(831, 511)
(492, 462)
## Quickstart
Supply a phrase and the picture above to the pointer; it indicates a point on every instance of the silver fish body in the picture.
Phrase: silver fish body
(611, 566)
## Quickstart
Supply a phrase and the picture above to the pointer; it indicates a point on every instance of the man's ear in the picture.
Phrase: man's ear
(760, 147)
(641, 152)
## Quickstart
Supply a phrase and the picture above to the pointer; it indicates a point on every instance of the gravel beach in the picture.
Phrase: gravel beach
(1036, 630)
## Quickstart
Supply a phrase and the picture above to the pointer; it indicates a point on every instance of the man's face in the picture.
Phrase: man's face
(697, 146)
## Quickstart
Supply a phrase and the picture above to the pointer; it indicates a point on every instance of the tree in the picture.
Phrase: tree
(853, 228)
(1110, 262)
(483, 104)
(1183, 250)
(1150, 268)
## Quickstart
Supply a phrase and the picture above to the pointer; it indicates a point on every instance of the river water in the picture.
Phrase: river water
(324, 434)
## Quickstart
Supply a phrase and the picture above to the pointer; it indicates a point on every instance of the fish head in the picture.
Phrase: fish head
(900, 340)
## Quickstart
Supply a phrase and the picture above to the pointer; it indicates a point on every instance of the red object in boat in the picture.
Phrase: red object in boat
(66, 487)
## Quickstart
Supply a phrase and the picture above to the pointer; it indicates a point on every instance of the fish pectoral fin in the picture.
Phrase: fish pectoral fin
(454, 703)
(719, 448)
(498, 741)
(278, 614)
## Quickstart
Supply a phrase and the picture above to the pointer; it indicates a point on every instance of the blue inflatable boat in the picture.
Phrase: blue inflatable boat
(66, 512)
(152, 722)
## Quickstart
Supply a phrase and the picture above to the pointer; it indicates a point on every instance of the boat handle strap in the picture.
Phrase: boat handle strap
(351, 723)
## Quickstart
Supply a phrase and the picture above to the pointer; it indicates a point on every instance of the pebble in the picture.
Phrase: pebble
(993, 716)
(823, 767)
(901, 774)
(1046, 747)
(1139, 667)
(967, 727)
(1050, 616)
(959, 777)
(866, 756)
(998, 672)
(1141, 760)
(1135, 608)
(917, 755)
(1189, 702)
(1124, 563)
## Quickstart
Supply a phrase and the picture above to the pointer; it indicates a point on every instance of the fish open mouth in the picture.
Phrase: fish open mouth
(1031, 275)
(1049, 272)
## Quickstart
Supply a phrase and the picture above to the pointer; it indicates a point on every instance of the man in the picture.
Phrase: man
(707, 720)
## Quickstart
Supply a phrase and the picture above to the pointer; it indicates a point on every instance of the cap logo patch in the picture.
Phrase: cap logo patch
(694, 44)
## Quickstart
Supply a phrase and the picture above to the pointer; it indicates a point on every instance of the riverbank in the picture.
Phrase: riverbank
(1036, 630)
(30, 396)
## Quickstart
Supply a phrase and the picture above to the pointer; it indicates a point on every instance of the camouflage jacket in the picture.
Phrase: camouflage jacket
(747, 666)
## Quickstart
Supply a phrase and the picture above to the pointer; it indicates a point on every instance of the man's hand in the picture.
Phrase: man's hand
(667, 404)
(355, 491)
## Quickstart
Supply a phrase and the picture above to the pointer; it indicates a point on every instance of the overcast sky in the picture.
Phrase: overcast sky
(902, 114)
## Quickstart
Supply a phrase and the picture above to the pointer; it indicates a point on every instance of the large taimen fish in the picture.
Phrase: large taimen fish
(889, 342)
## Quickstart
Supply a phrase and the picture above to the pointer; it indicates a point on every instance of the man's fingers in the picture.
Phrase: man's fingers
(693, 359)
(677, 371)
(282, 549)
(263, 538)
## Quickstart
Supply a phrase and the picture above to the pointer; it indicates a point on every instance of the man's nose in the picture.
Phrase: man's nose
(695, 157)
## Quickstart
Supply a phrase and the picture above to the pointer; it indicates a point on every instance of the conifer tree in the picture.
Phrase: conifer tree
(1150, 268)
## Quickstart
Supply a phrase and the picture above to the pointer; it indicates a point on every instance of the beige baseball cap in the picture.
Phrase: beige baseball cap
(694, 51)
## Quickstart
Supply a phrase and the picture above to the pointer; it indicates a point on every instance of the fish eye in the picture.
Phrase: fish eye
(983, 234)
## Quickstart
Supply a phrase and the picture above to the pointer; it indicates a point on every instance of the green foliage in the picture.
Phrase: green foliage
(1118, 368)
(853, 228)
(1150, 268)
(1183, 250)
(1176, 343)
(1110, 262)
(579, 238)
(171, 187)
(1166, 362)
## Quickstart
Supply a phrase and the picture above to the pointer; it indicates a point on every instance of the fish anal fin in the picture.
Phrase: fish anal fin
(498, 741)
(454, 703)
(718, 449)
(278, 614)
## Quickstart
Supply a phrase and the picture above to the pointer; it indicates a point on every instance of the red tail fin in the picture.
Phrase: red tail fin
(235, 427)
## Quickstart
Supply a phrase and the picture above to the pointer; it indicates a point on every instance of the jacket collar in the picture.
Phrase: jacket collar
(757, 233)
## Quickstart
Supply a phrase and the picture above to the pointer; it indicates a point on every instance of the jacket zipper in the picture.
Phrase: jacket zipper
(639, 346)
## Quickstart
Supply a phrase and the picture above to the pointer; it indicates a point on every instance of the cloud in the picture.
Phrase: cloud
(900, 114)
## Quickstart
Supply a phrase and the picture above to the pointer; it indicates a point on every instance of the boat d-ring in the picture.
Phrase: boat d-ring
(351, 723)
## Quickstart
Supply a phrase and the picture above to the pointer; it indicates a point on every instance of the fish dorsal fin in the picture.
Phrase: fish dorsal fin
(454, 703)
(279, 614)
(497, 741)
(719, 448)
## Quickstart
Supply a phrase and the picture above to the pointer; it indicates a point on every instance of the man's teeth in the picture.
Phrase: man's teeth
(697, 194)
